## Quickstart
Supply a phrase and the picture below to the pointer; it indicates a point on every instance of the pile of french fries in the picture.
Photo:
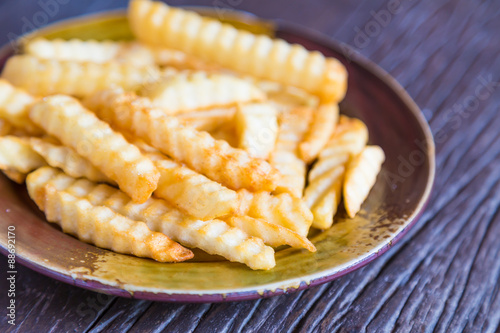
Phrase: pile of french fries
(196, 134)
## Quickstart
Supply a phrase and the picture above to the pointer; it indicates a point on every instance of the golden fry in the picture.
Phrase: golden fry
(68, 160)
(14, 107)
(293, 126)
(272, 234)
(180, 60)
(257, 128)
(323, 124)
(217, 160)
(212, 236)
(323, 195)
(131, 53)
(46, 77)
(360, 176)
(190, 191)
(282, 209)
(258, 55)
(78, 128)
(194, 91)
(16, 155)
(100, 225)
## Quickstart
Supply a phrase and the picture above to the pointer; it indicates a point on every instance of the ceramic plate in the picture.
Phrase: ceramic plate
(399, 196)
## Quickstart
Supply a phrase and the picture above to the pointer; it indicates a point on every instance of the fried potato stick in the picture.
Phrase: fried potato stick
(212, 236)
(194, 91)
(273, 59)
(100, 225)
(257, 128)
(323, 123)
(132, 53)
(217, 160)
(360, 176)
(48, 76)
(66, 119)
(14, 107)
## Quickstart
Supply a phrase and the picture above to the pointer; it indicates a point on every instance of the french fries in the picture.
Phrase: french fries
(131, 53)
(156, 23)
(292, 128)
(282, 209)
(47, 76)
(194, 91)
(323, 196)
(66, 119)
(257, 128)
(68, 160)
(17, 157)
(212, 236)
(14, 107)
(217, 160)
(190, 191)
(208, 133)
(360, 176)
(321, 129)
(100, 225)
(323, 193)
(272, 234)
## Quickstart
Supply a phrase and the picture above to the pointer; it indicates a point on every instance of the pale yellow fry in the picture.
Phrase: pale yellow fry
(16, 154)
(272, 234)
(293, 126)
(257, 128)
(323, 195)
(199, 90)
(66, 119)
(361, 174)
(207, 120)
(349, 138)
(68, 160)
(5, 127)
(100, 225)
(14, 107)
(323, 123)
(47, 76)
(190, 191)
(258, 55)
(212, 236)
(131, 53)
(281, 209)
(215, 159)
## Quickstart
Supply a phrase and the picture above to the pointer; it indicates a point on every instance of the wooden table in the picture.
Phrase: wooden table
(444, 275)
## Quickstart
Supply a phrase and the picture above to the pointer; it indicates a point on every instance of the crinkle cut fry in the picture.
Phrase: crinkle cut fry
(47, 76)
(14, 107)
(217, 160)
(132, 53)
(198, 90)
(258, 55)
(65, 118)
(212, 236)
(100, 225)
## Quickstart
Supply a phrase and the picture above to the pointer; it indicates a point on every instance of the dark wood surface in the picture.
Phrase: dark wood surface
(444, 275)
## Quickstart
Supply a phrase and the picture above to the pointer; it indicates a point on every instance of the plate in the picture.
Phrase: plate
(393, 206)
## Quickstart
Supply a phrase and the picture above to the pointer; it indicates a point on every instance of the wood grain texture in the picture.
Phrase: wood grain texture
(443, 276)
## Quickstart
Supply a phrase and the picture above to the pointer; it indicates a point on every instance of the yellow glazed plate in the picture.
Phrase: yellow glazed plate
(399, 196)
